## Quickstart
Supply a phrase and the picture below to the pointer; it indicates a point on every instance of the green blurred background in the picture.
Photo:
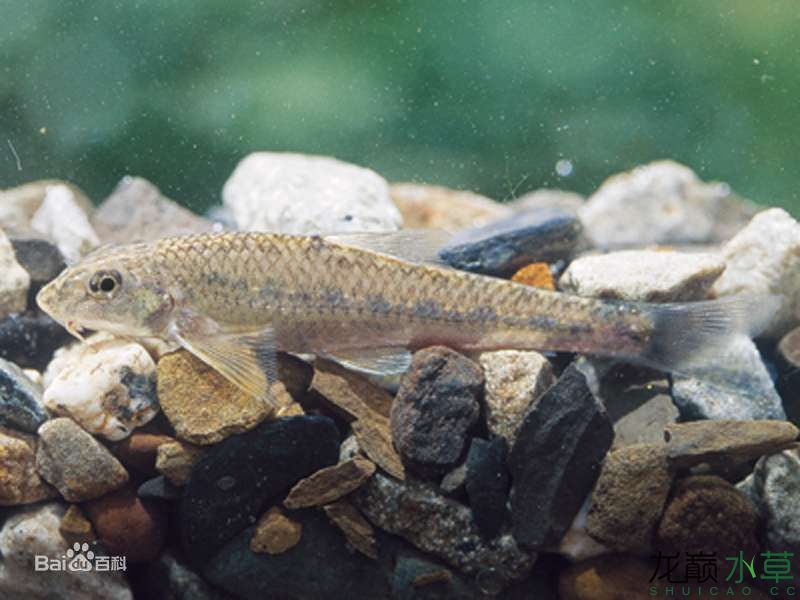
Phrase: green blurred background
(480, 95)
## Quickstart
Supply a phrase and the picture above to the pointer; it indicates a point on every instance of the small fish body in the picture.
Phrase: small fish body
(234, 299)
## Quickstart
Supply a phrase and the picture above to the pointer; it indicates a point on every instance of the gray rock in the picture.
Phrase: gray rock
(29, 340)
(763, 259)
(441, 527)
(487, 484)
(137, 211)
(504, 246)
(14, 280)
(319, 567)
(304, 194)
(643, 275)
(35, 532)
(158, 488)
(75, 463)
(689, 444)
(629, 497)
(19, 204)
(735, 385)
(20, 399)
(39, 257)
(775, 488)
(662, 203)
(788, 363)
(514, 381)
(435, 408)
(569, 431)
(639, 411)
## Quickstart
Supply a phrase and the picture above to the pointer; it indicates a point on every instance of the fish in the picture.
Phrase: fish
(366, 301)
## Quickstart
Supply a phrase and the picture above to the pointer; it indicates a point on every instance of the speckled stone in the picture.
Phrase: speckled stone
(75, 463)
(108, 387)
(203, 406)
(20, 399)
(515, 380)
(29, 340)
(36, 532)
(774, 488)
(441, 527)
(19, 481)
(629, 497)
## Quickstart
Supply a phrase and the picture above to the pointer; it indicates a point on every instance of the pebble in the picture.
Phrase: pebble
(234, 481)
(639, 411)
(775, 488)
(629, 497)
(643, 275)
(137, 211)
(547, 199)
(36, 532)
(19, 204)
(454, 483)
(40, 258)
(356, 529)
(139, 450)
(63, 219)
(19, 481)
(689, 444)
(329, 484)
(536, 275)
(20, 399)
(568, 430)
(14, 280)
(275, 533)
(487, 484)
(706, 513)
(304, 194)
(168, 579)
(351, 395)
(441, 527)
(515, 380)
(503, 247)
(202, 405)
(30, 340)
(75, 527)
(764, 259)
(735, 385)
(317, 568)
(108, 388)
(158, 488)
(662, 203)
(75, 463)
(175, 460)
(435, 207)
(127, 525)
(436, 407)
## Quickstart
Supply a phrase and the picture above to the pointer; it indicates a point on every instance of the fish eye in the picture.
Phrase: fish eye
(105, 282)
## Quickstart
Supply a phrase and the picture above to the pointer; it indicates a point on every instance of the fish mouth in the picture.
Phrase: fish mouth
(77, 330)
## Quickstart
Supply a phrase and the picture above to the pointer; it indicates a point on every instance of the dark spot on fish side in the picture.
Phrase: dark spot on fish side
(378, 304)
(427, 309)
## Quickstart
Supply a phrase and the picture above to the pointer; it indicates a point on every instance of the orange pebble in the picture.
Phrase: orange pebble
(537, 275)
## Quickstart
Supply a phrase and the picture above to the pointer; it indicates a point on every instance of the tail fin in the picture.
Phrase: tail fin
(688, 336)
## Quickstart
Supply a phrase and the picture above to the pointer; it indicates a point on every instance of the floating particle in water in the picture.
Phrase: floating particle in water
(564, 167)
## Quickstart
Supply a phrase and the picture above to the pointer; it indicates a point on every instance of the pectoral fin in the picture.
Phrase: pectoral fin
(374, 361)
(247, 359)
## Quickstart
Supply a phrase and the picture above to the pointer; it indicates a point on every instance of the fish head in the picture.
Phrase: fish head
(111, 291)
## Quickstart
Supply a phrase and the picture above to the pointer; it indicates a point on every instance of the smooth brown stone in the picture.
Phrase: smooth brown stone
(692, 443)
(355, 527)
(139, 450)
(330, 484)
(275, 533)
